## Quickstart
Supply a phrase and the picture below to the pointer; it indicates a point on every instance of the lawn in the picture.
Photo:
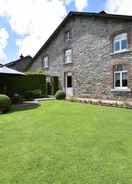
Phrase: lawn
(66, 143)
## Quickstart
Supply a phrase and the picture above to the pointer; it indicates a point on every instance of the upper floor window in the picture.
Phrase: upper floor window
(46, 62)
(67, 36)
(120, 76)
(68, 56)
(120, 43)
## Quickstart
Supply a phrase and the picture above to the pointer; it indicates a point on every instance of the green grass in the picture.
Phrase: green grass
(66, 143)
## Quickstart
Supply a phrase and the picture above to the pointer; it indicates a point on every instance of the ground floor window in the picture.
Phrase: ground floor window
(120, 76)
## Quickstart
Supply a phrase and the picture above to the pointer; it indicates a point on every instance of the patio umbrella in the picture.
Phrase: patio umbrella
(8, 71)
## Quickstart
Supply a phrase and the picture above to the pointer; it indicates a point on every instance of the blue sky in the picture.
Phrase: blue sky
(25, 32)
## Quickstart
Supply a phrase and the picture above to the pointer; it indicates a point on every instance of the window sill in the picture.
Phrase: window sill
(68, 63)
(121, 52)
(120, 90)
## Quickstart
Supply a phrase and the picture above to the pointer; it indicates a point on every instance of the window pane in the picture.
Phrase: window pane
(45, 62)
(117, 46)
(68, 56)
(124, 44)
(68, 52)
(117, 79)
(120, 67)
(122, 36)
(124, 79)
(120, 42)
(67, 35)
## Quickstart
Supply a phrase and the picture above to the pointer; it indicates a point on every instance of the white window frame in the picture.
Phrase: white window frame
(121, 74)
(119, 38)
(46, 62)
(68, 56)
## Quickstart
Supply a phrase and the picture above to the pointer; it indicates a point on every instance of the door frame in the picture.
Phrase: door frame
(68, 90)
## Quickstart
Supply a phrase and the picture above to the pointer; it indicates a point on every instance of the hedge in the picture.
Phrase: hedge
(32, 81)
(20, 84)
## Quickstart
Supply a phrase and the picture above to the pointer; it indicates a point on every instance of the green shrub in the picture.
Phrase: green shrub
(60, 95)
(5, 103)
(22, 84)
(37, 93)
(31, 94)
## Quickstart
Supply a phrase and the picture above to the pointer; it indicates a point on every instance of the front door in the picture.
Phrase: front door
(68, 86)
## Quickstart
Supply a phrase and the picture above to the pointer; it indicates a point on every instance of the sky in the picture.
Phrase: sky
(26, 24)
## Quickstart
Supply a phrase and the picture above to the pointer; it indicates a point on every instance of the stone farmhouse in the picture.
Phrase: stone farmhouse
(91, 53)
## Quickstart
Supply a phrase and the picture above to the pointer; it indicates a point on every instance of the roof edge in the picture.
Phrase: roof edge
(13, 62)
(75, 13)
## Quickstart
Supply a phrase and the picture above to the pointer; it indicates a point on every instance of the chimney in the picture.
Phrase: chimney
(102, 13)
(21, 56)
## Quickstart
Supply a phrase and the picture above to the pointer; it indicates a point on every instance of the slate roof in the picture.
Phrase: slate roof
(21, 64)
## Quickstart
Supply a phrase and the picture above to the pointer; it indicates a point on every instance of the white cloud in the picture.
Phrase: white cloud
(81, 4)
(36, 19)
(119, 6)
(3, 43)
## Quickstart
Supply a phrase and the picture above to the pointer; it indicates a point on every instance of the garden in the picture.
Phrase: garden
(60, 141)
(17, 90)
(65, 142)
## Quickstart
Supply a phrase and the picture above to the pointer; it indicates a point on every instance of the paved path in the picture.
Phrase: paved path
(44, 99)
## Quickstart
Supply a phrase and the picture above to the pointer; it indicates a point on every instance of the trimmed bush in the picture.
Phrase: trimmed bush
(37, 93)
(5, 103)
(31, 94)
(60, 95)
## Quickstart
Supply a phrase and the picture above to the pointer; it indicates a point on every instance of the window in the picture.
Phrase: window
(120, 43)
(120, 76)
(68, 56)
(67, 35)
(46, 62)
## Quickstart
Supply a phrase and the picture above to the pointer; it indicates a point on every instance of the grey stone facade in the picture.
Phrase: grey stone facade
(92, 57)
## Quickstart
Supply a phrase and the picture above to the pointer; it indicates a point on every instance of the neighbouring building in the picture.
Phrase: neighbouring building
(22, 64)
(91, 53)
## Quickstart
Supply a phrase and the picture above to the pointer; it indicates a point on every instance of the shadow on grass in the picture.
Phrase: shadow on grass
(22, 107)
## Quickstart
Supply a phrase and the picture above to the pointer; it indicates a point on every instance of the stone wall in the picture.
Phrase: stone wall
(93, 60)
